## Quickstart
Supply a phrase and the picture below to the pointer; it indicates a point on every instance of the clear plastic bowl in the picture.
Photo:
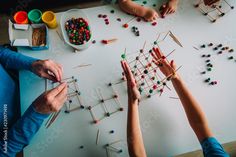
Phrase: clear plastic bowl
(74, 13)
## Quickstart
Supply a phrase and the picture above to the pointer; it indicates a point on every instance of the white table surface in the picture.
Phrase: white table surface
(166, 131)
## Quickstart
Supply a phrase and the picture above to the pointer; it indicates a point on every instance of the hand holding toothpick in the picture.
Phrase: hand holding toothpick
(52, 100)
(48, 69)
(168, 69)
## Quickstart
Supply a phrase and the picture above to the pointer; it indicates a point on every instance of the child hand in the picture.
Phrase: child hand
(168, 69)
(150, 15)
(133, 93)
(169, 8)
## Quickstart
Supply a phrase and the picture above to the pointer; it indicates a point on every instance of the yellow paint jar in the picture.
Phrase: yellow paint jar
(49, 18)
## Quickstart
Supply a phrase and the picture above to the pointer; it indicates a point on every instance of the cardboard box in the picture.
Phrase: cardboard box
(34, 36)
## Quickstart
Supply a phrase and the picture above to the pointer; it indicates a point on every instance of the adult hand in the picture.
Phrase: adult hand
(48, 69)
(210, 2)
(52, 100)
(133, 93)
(168, 69)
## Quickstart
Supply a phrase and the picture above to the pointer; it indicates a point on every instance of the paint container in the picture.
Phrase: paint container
(35, 16)
(49, 18)
(21, 17)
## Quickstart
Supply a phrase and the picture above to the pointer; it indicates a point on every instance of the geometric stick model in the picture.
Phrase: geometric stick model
(103, 103)
(111, 147)
(216, 10)
(149, 79)
(74, 101)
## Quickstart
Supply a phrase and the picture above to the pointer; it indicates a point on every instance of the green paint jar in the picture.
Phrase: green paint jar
(35, 16)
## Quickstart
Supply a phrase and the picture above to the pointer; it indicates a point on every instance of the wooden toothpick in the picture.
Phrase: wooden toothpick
(82, 65)
(46, 84)
(53, 118)
(175, 39)
(97, 139)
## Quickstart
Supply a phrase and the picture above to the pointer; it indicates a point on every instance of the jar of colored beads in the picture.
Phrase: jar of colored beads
(76, 30)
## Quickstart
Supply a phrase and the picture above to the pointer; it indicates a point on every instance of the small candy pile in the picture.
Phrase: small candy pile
(217, 49)
(105, 17)
(135, 31)
(78, 31)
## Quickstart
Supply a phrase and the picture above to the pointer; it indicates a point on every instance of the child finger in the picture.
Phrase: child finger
(124, 68)
(172, 64)
(158, 53)
(129, 73)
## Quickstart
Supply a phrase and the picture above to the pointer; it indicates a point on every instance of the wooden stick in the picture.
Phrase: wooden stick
(173, 97)
(195, 48)
(130, 20)
(97, 139)
(53, 118)
(115, 142)
(60, 36)
(46, 84)
(171, 74)
(49, 119)
(82, 65)
(107, 152)
(113, 149)
(74, 109)
(103, 103)
(175, 39)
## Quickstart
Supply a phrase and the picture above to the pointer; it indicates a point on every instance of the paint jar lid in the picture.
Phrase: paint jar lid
(35, 16)
(21, 17)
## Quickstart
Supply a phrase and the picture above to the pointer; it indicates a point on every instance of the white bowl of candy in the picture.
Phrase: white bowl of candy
(76, 30)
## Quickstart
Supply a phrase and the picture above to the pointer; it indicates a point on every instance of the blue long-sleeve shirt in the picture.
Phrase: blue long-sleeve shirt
(15, 133)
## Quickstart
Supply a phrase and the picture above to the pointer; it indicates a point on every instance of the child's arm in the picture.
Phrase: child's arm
(134, 134)
(135, 9)
(169, 8)
(195, 115)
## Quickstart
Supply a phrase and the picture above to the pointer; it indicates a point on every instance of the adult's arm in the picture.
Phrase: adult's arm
(21, 133)
(13, 60)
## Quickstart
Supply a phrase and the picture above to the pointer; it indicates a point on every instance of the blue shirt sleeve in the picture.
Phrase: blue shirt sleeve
(22, 132)
(212, 148)
(13, 60)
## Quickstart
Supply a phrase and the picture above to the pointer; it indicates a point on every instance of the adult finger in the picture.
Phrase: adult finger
(62, 95)
(53, 92)
(54, 71)
(60, 70)
(47, 76)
